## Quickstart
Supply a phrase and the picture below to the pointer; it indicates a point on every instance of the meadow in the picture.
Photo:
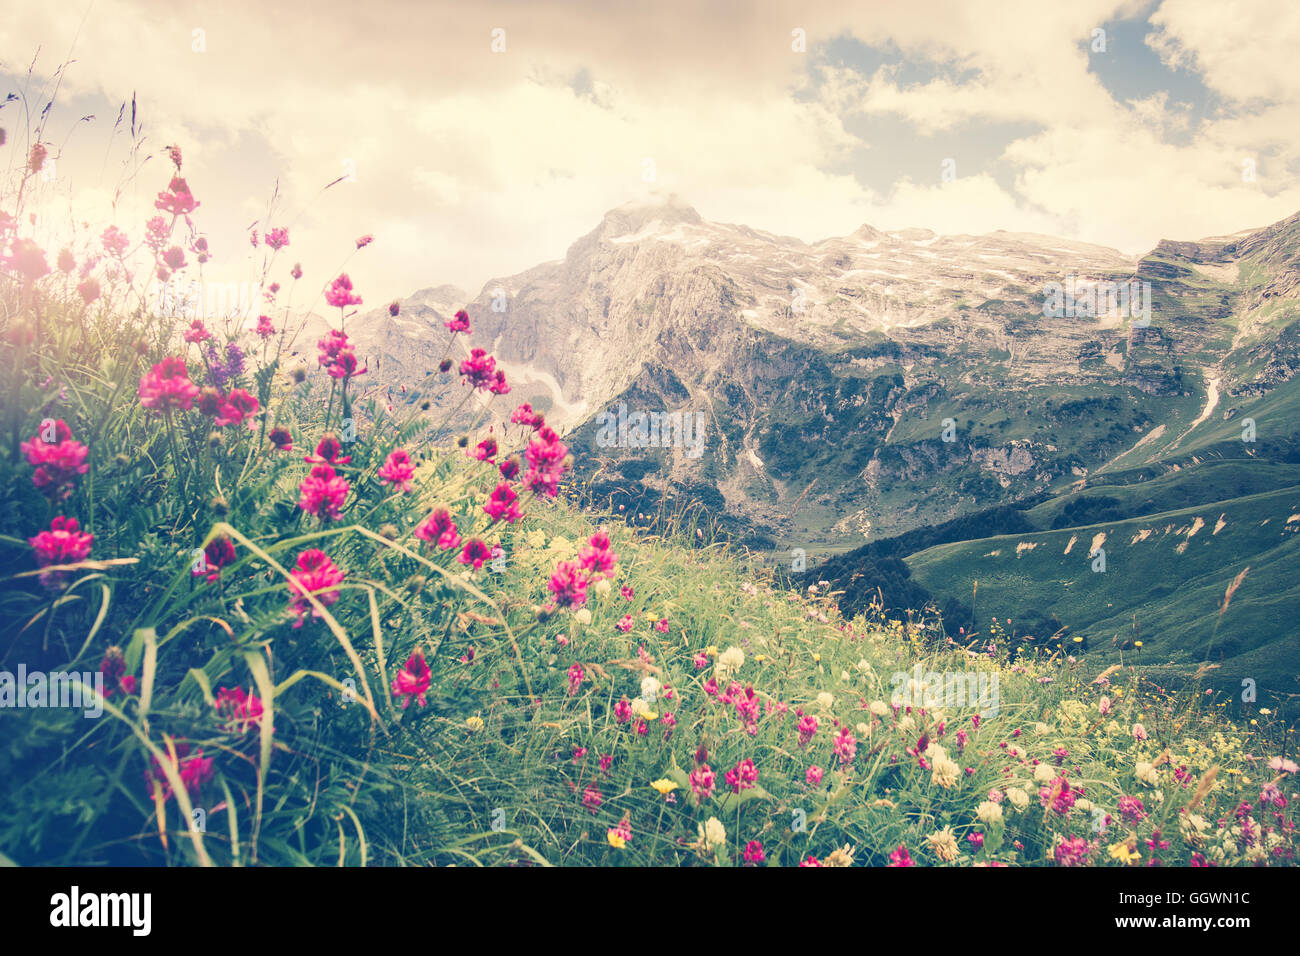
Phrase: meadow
(326, 630)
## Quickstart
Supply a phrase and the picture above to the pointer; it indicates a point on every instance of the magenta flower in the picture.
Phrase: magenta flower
(814, 776)
(398, 470)
(1072, 851)
(460, 323)
(337, 356)
(576, 677)
(115, 242)
(194, 770)
(754, 852)
(807, 730)
(486, 450)
(197, 332)
(177, 198)
(900, 857)
(340, 295)
(277, 238)
(236, 407)
(702, 781)
(845, 745)
(524, 415)
(503, 504)
(323, 493)
(64, 543)
(241, 709)
(1132, 810)
(546, 456)
(327, 452)
(742, 776)
(622, 711)
(57, 464)
(440, 529)
(167, 385)
(264, 327)
(219, 552)
(624, 623)
(317, 575)
(569, 585)
(475, 553)
(413, 680)
(598, 558)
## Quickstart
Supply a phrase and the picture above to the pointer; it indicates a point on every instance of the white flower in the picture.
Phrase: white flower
(641, 708)
(879, 708)
(1017, 797)
(731, 660)
(863, 730)
(946, 772)
(989, 813)
(1147, 773)
(602, 586)
(650, 688)
(1044, 773)
(712, 834)
(582, 615)
(906, 723)
(825, 700)
(1041, 728)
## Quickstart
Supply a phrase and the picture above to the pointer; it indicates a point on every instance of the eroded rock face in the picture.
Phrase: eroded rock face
(828, 374)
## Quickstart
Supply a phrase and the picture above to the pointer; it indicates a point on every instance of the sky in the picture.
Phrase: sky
(480, 139)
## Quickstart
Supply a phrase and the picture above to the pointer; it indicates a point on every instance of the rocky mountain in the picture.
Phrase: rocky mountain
(864, 385)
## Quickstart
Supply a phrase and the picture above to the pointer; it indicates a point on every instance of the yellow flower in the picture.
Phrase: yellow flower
(711, 650)
(762, 657)
(1137, 643)
(664, 786)
(615, 838)
(475, 723)
(1125, 854)
(817, 658)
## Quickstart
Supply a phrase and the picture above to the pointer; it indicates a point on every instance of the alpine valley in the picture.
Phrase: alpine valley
(899, 414)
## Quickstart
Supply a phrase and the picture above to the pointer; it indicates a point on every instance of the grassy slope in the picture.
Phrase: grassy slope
(1175, 594)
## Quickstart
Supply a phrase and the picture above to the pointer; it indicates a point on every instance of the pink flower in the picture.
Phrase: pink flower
(237, 406)
(1132, 810)
(475, 553)
(807, 730)
(323, 493)
(88, 289)
(439, 528)
(754, 852)
(702, 781)
(115, 242)
(479, 369)
(503, 504)
(1059, 795)
(576, 677)
(398, 470)
(662, 626)
(1103, 706)
(197, 332)
(845, 745)
(1139, 732)
(598, 558)
(27, 259)
(591, 798)
(278, 237)
(194, 771)
(174, 258)
(167, 385)
(1072, 851)
(339, 294)
(742, 776)
(810, 861)
(624, 623)
(315, 574)
(460, 323)
(546, 456)
(241, 709)
(814, 776)
(177, 198)
(57, 464)
(264, 327)
(337, 356)
(622, 711)
(900, 857)
(486, 450)
(413, 680)
(219, 552)
(365, 241)
(524, 415)
(64, 543)
(701, 661)
(327, 452)
(627, 592)
(569, 585)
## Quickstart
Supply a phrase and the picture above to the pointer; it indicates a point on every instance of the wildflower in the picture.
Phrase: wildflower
(219, 552)
(194, 771)
(702, 781)
(627, 592)
(813, 777)
(1072, 851)
(88, 289)
(237, 406)
(1124, 852)
(339, 294)
(113, 667)
(618, 836)
(317, 575)
(1132, 810)
(486, 450)
(474, 723)
(57, 463)
(167, 385)
(624, 623)
(845, 746)
(825, 700)
(115, 242)
(177, 198)
(281, 438)
(742, 776)
(460, 323)
(241, 709)
(503, 504)
(323, 493)
(546, 456)
(712, 834)
(731, 660)
(174, 258)
(807, 730)
(264, 327)
(944, 844)
(296, 271)
(1147, 773)
(1103, 706)
(1283, 765)
(569, 585)
(754, 852)
(622, 712)
(1139, 732)
(365, 241)
(1018, 798)
(327, 452)
(277, 238)
(576, 676)
(989, 813)
(413, 680)
(440, 529)
(664, 786)
(337, 356)
(524, 415)
(64, 543)
(591, 798)
(900, 857)
(398, 470)
(945, 772)
(474, 553)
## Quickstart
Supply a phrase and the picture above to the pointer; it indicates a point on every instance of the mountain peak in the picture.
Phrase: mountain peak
(632, 217)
